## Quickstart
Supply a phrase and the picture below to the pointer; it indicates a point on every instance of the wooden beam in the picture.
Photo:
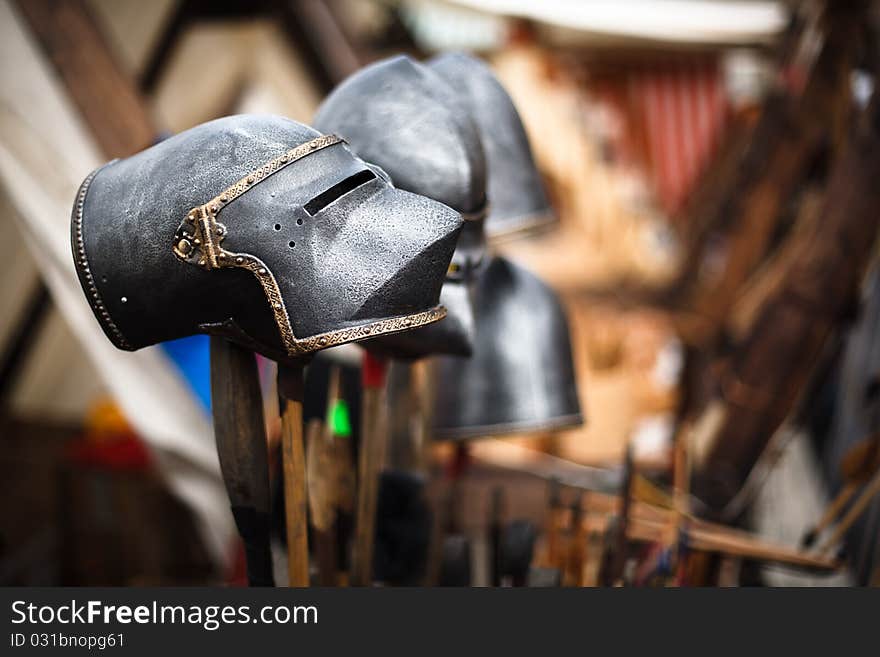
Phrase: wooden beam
(817, 298)
(650, 523)
(101, 90)
(315, 31)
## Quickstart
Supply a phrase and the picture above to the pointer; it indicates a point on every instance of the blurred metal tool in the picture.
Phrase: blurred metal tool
(517, 551)
(496, 526)
(613, 569)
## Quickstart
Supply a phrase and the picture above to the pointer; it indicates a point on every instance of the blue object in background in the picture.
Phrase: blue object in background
(192, 356)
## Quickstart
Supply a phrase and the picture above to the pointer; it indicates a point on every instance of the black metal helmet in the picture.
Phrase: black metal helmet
(521, 377)
(260, 229)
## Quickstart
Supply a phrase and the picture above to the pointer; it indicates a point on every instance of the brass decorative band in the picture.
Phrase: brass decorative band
(203, 248)
(272, 292)
(297, 347)
(272, 166)
(371, 330)
(85, 272)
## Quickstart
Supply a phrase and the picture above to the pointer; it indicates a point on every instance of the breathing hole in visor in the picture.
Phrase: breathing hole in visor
(338, 190)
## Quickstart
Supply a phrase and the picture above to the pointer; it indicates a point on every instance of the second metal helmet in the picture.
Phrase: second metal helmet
(517, 199)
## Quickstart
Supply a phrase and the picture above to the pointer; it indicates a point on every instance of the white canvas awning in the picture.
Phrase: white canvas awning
(685, 21)
(45, 152)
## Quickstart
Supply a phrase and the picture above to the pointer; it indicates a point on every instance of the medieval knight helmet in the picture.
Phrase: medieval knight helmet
(262, 230)
(518, 202)
(403, 117)
(521, 377)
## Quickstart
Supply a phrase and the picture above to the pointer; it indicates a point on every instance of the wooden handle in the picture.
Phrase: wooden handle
(320, 478)
(371, 460)
(294, 465)
(831, 513)
(240, 433)
(612, 575)
(853, 514)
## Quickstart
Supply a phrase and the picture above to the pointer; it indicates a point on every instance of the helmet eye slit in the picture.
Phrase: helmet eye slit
(337, 191)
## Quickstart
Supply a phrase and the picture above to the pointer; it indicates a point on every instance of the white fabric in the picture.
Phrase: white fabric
(695, 21)
(787, 504)
(45, 152)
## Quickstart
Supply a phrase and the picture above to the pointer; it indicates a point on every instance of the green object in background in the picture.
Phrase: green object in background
(340, 424)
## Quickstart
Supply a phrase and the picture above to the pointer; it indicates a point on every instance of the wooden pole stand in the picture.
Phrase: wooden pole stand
(370, 463)
(240, 432)
(290, 389)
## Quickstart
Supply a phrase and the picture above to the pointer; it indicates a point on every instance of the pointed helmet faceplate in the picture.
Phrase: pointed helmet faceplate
(260, 229)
